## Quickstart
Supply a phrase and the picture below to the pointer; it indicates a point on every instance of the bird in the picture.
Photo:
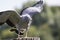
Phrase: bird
(27, 13)
(21, 22)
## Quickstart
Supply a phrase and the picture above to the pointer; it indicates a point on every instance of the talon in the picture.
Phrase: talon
(21, 33)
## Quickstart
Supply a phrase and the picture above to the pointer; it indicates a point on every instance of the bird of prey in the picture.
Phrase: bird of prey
(27, 14)
(30, 11)
(21, 22)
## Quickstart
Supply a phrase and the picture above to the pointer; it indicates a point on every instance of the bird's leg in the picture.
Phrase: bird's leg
(26, 33)
(20, 34)
(28, 27)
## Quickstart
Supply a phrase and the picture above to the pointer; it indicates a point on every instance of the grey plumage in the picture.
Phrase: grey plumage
(30, 11)
(24, 20)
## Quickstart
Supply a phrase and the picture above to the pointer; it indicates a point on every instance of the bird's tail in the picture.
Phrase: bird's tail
(14, 30)
(39, 3)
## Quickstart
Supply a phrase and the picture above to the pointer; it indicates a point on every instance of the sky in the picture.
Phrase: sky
(53, 2)
(12, 4)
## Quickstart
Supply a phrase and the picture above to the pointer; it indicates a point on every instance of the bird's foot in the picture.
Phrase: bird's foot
(26, 35)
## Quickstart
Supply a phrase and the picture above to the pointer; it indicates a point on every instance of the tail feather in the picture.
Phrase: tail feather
(1, 23)
(12, 30)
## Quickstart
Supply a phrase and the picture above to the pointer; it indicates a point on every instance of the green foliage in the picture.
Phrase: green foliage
(33, 32)
(5, 34)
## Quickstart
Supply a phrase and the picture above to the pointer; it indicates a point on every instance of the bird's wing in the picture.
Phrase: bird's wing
(32, 11)
(4, 16)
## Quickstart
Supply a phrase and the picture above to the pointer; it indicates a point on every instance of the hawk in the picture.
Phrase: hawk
(21, 22)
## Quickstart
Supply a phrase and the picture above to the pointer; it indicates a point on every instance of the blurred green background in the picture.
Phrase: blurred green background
(45, 25)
